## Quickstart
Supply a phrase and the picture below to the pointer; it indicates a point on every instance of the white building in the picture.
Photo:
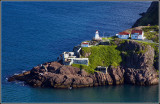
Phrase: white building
(137, 34)
(97, 37)
(85, 44)
(84, 61)
(123, 35)
(68, 58)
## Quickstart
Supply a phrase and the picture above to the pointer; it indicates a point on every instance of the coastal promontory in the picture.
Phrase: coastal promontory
(128, 61)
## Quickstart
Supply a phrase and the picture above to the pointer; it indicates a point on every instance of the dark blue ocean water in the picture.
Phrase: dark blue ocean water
(37, 32)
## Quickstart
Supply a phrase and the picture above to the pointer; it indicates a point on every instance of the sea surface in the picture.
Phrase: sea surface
(37, 32)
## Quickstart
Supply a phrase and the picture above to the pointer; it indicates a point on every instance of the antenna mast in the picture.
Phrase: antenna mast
(103, 34)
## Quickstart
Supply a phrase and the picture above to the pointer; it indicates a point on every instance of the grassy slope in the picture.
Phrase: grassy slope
(102, 55)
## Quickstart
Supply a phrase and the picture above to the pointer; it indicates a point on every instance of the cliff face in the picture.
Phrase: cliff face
(136, 68)
(136, 55)
(150, 17)
(138, 63)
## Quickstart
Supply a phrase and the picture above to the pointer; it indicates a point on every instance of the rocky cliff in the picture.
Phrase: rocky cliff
(138, 62)
(136, 68)
(150, 17)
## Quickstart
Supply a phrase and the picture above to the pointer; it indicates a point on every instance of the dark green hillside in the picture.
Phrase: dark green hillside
(150, 17)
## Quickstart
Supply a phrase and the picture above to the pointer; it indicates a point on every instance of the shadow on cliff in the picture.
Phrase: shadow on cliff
(135, 55)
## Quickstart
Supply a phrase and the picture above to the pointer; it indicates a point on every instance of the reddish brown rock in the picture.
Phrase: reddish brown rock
(67, 70)
(62, 77)
(116, 74)
(53, 66)
(147, 76)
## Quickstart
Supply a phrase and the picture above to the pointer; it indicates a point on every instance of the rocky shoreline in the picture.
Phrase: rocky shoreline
(60, 76)
(137, 70)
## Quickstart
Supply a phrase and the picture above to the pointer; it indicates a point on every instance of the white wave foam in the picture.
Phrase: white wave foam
(23, 71)
(16, 73)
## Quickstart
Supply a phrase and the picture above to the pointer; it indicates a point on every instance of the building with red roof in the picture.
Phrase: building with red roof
(137, 31)
(85, 44)
(123, 35)
(137, 34)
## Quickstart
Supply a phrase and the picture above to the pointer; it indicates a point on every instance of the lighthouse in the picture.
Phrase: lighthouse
(96, 35)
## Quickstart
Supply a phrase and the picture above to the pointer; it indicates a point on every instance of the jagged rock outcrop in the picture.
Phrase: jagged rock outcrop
(100, 78)
(141, 76)
(116, 74)
(138, 61)
(61, 76)
(136, 55)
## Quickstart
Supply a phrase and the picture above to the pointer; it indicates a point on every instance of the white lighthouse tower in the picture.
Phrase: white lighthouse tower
(96, 35)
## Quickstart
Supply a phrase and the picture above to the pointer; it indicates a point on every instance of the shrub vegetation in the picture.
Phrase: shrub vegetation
(151, 33)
